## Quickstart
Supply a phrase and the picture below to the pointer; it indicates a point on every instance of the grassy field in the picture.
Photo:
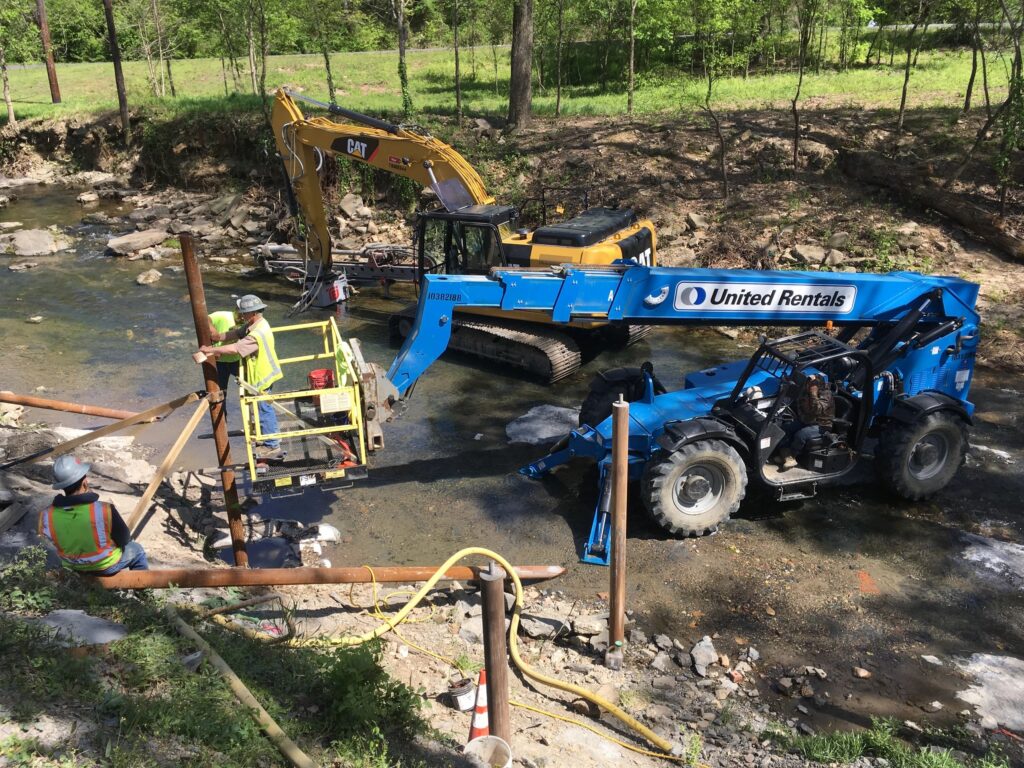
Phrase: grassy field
(369, 82)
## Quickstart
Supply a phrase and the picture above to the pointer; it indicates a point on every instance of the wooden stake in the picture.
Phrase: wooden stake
(492, 582)
(617, 587)
(164, 468)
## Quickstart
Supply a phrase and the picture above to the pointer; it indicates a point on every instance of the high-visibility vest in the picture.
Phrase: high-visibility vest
(224, 322)
(82, 535)
(262, 369)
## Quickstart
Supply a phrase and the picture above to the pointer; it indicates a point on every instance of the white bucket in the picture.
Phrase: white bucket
(463, 694)
(493, 751)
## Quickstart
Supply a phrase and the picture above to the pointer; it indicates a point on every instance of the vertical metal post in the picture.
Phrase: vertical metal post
(620, 480)
(44, 34)
(201, 318)
(492, 586)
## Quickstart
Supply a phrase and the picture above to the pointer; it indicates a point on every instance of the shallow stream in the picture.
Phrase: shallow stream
(447, 478)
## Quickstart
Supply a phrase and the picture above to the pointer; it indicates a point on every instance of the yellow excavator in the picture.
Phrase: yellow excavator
(468, 233)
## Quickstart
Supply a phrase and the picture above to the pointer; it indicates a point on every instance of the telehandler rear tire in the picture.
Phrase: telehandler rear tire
(919, 459)
(694, 489)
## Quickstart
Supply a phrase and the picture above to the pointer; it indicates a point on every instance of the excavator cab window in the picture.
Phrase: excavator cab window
(459, 248)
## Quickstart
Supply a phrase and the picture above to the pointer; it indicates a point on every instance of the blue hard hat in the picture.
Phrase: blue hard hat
(67, 470)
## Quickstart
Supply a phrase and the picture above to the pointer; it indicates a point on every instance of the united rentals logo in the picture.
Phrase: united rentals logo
(764, 297)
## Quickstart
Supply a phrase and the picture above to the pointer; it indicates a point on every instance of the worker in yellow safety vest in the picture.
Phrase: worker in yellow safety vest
(221, 325)
(89, 535)
(255, 345)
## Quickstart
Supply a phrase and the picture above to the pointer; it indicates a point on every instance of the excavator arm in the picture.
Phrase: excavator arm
(666, 295)
(304, 142)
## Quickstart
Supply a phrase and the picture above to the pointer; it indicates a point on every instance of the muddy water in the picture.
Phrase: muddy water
(849, 578)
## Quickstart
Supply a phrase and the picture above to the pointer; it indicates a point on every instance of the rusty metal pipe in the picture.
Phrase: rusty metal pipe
(274, 577)
(6, 396)
(617, 575)
(197, 296)
(492, 590)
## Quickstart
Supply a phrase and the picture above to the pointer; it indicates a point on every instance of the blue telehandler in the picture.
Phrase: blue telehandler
(896, 352)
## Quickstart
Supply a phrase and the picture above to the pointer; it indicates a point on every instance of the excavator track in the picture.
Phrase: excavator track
(545, 353)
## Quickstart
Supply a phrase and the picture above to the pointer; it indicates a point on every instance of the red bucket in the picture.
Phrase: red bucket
(321, 378)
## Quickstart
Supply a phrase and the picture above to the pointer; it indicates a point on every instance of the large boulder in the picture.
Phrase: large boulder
(30, 242)
(136, 241)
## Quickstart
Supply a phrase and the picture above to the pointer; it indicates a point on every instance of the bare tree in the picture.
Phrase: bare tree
(923, 8)
(632, 53)
(115, 56)
(398, 10)
(12, 119)
(520, 96)
(51, 68)
(807, 15)
(558, 57)
(458, 72)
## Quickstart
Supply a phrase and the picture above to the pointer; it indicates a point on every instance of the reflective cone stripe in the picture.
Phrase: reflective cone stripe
(480, 726)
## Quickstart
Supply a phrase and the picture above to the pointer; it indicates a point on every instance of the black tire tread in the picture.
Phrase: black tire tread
(661, 466)
(897, 441)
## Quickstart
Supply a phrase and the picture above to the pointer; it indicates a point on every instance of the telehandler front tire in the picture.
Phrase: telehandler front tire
(919, 459)
(694, 489)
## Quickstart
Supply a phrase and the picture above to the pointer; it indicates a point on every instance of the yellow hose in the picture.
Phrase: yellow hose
(513, 644)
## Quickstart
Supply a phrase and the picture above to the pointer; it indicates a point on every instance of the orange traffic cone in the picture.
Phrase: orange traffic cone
(479, 726)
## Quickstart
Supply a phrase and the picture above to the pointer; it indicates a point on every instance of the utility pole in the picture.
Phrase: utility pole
(44, 33)
(115, 55)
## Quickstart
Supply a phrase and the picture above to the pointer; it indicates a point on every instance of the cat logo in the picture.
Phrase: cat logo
(361, 148)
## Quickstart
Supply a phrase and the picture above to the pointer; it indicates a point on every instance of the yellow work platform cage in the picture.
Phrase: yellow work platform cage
(320, 426)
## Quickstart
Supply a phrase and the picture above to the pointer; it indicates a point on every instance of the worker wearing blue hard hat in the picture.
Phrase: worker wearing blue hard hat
(260, 367)
(89, 535)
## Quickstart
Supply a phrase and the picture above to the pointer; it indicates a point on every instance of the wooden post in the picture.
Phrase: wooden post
(44, 34)
(492, 583)
(165, 467)
(115, 57)
(620, 481)
(201, 318)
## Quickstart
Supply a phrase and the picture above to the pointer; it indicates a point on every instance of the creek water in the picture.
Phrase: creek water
(447, 478)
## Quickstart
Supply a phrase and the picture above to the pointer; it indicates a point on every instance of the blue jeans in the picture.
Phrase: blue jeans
(133, 557)
(268, 421)
(800, 434)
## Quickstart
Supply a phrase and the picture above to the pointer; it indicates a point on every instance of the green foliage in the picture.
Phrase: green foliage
(881, 740)
(24, 586)
(361, 698)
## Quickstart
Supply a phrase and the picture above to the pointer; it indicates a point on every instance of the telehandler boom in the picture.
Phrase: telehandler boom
(899, 369)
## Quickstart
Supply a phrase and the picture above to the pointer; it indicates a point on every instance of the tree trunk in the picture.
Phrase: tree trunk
(328, 72)
(44, 34)
(115, 56)
(632, 53)
(558, 58)
(723, 167)
(974, 71)
(922, 9)
(398, 6)
(170, 75)
(520, 95)
(250, 38)
(458, 72)
(805, 22)
(161, 43)
(874, 168)
(984, 76)
(924, 34)
(12, 120)
(872, 47)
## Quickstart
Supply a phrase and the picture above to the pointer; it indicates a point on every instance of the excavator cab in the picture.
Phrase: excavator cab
(463, 242)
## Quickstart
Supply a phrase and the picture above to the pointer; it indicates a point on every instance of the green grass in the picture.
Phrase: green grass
(881, 740)
(369, 82)
(337, 704)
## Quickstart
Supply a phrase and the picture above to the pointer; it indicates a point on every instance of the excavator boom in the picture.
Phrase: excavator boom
(303, 143)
